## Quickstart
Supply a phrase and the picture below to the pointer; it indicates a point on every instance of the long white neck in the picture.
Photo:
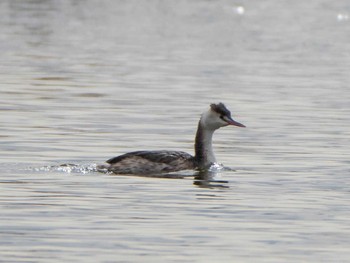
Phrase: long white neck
(203, 146)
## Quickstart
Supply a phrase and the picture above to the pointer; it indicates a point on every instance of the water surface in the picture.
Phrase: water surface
(82, 82)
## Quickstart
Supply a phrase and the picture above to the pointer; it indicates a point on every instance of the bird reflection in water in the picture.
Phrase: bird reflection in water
(203, 178)
(209, 179)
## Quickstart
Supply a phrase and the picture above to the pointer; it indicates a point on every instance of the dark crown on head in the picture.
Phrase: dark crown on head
(221, 109)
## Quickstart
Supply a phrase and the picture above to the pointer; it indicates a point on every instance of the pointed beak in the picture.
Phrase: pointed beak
(231, 121)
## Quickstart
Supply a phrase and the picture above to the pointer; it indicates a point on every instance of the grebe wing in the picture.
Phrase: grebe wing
(164, 157)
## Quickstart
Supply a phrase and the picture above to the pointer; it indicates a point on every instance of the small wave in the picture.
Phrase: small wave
(212, 174)
(68, 168)
(219, 167)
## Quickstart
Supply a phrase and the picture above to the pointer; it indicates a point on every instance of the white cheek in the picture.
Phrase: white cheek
(212, 120)
(217, 123)
(220, 122)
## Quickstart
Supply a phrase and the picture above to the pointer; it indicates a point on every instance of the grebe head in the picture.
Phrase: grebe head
(218, 116)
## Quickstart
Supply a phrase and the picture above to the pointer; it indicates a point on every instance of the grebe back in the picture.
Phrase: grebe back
(163, 161)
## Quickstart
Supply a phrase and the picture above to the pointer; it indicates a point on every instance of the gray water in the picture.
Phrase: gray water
(84, 81)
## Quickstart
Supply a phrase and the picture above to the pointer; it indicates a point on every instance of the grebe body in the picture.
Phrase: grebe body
(151, 162)
(158, 162)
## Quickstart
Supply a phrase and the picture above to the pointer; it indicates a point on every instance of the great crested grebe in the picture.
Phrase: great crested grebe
(158, 162)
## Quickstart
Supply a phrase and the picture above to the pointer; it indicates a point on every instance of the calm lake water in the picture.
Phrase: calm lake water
(83, 81)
